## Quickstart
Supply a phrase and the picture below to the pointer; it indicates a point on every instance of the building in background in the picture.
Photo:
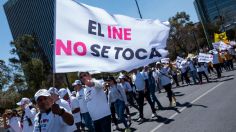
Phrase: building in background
(33, 17)
(212, 11)
(220, 13)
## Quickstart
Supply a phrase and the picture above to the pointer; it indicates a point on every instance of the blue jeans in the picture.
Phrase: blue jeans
(194, 76)
(88, 121)
(120, 110)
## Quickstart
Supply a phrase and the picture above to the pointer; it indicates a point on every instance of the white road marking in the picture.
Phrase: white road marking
(175, 114)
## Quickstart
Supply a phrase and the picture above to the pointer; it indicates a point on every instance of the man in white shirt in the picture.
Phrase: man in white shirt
(29, 112)
(83, 105)
(216, 63)
(51, 118)
(142, 91)
(97, 104)
(193, 70)
(74, 106)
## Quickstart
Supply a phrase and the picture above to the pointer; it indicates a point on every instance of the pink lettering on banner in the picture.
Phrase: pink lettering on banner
(117, 33)
(61, 46)
(109, 31)
(80, 44)
(67, 48)
(127, 34)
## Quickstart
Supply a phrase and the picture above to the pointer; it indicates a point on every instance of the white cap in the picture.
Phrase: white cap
(73, 92)
(24, 101)
(121, 76)
(53, 90)
(77, 82)
(41, 92)
(158, 63)
(62, 92)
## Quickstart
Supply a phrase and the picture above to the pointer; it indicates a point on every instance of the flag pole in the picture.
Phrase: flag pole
(140, 15)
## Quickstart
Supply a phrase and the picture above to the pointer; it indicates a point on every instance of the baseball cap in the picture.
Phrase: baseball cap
(62, 92)
(77, 82)
(53, 90)
(41, 92)
(23, 101)
(121, 77)
(158, 63)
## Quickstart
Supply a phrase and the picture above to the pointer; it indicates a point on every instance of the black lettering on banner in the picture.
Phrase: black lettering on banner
(128, 50)
(105, 51)
(137, 54)
(118, 49)
(100, 30)
(94, 48)
(92, 26)
(154, 53)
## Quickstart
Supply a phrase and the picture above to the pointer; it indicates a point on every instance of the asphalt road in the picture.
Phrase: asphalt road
(209, 107)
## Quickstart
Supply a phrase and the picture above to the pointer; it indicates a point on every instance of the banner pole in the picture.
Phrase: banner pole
(140, 15)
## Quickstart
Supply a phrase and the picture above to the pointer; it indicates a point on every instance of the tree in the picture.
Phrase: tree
(185, 36)
(5, 75)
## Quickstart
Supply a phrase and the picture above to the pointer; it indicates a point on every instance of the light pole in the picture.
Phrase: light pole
(140, 15)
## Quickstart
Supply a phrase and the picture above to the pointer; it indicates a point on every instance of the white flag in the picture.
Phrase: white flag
(90, 39)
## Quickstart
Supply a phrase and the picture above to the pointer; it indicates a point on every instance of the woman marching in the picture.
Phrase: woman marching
(116, 95)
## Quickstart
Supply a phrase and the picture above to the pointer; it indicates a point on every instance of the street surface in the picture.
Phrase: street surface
(209, 107)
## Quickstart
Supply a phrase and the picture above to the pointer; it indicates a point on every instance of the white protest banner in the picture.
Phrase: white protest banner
(216, 45)
(90, 39)
(205, 57)
(232, 43)
(178, 61)
(165, 60)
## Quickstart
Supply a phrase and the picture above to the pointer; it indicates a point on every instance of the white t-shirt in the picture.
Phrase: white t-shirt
(75, 104)
(50, 123)
(200, 68)
(14, 124)
(96, 102)
(191, 66)
(29, 113)
(116, 92)
(139, 81)
(126, 86)
(144, 74)
(215, 58)
(163, 75)
(66, 106)
(82, 102)
(63, 103)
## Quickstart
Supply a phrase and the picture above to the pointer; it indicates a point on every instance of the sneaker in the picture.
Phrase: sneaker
(154, 115)
(140, 120)
(116, 127)
(129, 118)
(127, 130)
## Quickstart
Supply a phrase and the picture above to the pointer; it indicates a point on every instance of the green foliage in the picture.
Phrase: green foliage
(185, 36)
(5, 75)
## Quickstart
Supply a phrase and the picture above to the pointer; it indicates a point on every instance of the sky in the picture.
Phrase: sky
(150, 9)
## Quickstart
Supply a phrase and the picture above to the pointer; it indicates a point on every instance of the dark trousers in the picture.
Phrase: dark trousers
(131, 99)
(200, 76)
(87, 121)
(218, 69)
(103, 124)
(184, 76)
(78, 124)
(141, 96)
(231, 64)
(169, 91)
(113, 114)
(175, 79)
